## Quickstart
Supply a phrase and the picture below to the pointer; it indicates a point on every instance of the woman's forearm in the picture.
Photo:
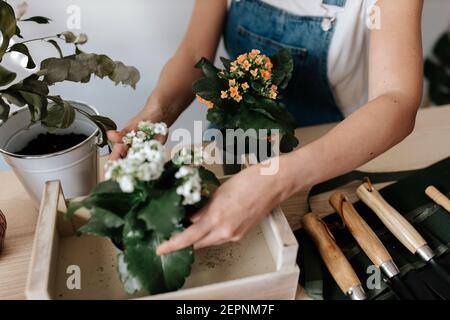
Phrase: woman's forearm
(372, 130)
(173, 92)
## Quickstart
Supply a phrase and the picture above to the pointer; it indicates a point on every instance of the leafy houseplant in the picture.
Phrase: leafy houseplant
(51, 138)
(437, 70)
(143, 203)
(245, 94)
(52, 111)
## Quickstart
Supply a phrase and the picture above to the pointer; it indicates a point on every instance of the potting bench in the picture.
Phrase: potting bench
(429, 143)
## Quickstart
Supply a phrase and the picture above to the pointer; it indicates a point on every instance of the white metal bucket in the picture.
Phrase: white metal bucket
(76, 167)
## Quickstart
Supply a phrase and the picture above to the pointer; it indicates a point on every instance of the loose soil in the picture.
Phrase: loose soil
(49, 143)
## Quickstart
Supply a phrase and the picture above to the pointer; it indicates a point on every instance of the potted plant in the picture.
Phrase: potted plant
(144, 202)
(245, 95)
(52, 138)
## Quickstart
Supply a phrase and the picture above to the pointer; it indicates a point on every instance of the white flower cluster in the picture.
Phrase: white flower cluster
(188, 157)
(145, 160)
(146, 131)
(191, 188)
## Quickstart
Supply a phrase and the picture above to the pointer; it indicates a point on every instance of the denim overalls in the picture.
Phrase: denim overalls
(253, 24)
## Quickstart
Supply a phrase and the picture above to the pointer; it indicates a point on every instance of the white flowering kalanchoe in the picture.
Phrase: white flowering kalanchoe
(191, 187)
(145, 160)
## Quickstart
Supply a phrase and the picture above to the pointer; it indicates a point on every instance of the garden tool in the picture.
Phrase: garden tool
(370, 244)
(334, 259)
(438, 279)
(438, 197)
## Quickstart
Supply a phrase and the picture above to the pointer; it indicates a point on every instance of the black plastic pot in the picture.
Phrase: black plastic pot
(231, 151)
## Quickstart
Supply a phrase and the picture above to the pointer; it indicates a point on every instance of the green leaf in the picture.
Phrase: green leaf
(264, 112)
(23, 49)
(249, 119)
(106, 187)
(134, 230)
(4, 46)
(4, 109)
(209, 89)
(104, 124)
(125, 75)
(102, 223)
(163, 213)
(226, 63)
(208, 177)
(58, 48)
(209, 70)
(18, 32)
(216, 116)
(33, 84)
(78, 72)
(140, 267)
(14, 98)
(105, 66)
(283, 66)
(72, 208)
(36, 104)
(108, 195)
(68, 36)
(55, 70)
(38, 19)
(6, 76)
(288, 143)
(130, 283)
(82, 39)
(59, 116)
(7, 20)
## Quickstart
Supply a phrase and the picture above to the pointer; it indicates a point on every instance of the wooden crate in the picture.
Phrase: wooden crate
(261, 266)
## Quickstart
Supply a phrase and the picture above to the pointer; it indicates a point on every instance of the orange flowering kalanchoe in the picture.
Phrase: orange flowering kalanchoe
(248, 69)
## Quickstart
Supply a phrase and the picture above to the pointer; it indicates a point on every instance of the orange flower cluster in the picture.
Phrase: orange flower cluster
(259, 67)
(208, 104)
(250, 71)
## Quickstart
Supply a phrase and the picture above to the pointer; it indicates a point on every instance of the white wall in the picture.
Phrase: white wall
(145, 33)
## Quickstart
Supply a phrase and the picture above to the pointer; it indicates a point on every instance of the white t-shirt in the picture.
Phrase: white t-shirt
(348, 54)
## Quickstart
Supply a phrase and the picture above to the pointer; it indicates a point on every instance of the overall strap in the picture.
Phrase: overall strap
(338, 3)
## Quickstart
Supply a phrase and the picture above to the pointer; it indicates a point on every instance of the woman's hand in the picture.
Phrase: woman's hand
(151, 112)
(237, 206)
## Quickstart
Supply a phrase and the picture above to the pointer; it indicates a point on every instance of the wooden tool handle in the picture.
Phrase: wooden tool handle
(438, 197)
(392, 219)
(363, 234)
(334, 259)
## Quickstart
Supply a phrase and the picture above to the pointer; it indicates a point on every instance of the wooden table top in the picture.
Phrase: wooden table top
(429, 143)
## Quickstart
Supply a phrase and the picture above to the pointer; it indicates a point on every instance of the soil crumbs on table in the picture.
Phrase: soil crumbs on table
(49, 143)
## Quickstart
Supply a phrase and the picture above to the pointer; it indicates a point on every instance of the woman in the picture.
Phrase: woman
(374, 89)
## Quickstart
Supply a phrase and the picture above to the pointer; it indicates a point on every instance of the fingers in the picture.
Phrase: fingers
(211, 239)
(196, 217)
(119, 151)
(115, 137)
(185, 239)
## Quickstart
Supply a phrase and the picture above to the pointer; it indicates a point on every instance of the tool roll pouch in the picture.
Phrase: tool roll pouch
(409, 198)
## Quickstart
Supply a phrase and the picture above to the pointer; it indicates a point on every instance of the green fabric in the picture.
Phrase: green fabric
(408, 197)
